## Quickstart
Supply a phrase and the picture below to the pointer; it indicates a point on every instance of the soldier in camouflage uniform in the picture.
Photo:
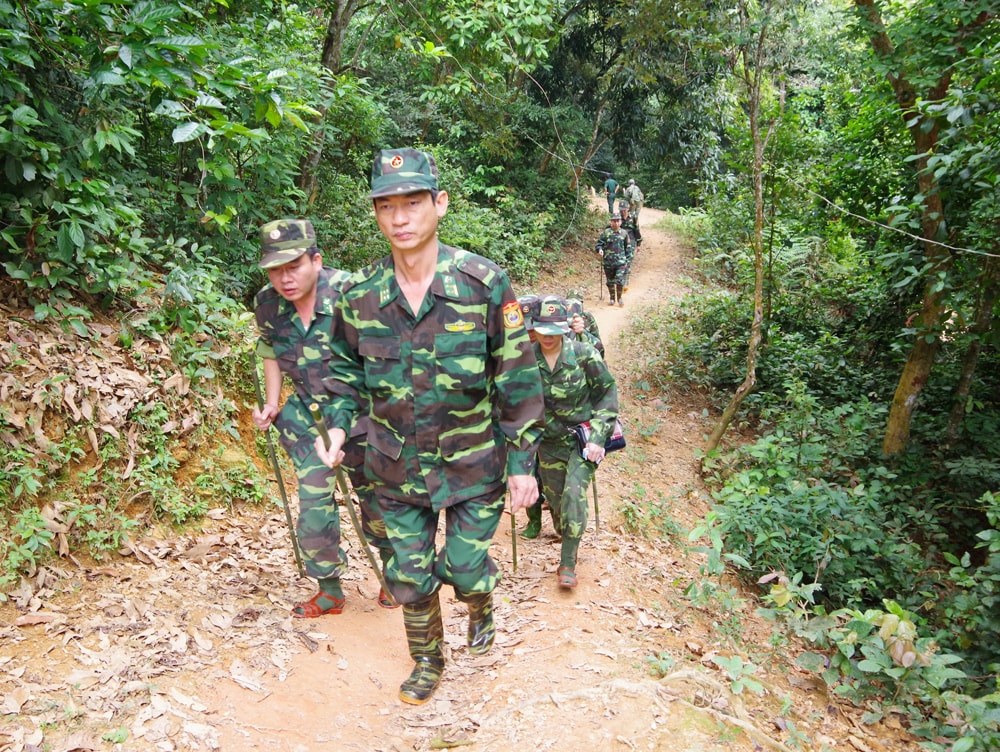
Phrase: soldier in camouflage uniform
(582, 323)
(529, 306)
(294, 313)
(433, 338)
(635, 198)
(630, 224)
(578, 387)
(617, 250)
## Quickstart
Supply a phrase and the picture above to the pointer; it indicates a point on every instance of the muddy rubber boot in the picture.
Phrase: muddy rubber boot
(482, 630)
(534, 526)
(425, 638)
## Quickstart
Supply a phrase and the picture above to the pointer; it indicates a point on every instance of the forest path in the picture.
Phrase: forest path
(188, 643)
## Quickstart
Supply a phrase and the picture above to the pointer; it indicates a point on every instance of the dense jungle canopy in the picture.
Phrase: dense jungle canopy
(836, 163)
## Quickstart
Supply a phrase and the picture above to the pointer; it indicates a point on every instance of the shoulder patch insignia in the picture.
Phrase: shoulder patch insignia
(460, 326)
(512, 316)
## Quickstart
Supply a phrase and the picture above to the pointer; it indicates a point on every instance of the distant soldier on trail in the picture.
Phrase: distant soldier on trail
(635, 198)
(611, 189)
(617, 250)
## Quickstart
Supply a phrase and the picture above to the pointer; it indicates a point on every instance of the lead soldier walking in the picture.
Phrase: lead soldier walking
(434, 338)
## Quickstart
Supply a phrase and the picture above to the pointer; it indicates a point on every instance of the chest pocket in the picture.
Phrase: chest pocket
(461, 360)
(568, 387)
(383, 363)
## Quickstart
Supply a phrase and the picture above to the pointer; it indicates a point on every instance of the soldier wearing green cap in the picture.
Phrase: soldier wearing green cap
(433, 340)
(616, 249)
(578, 387)
(294, 314)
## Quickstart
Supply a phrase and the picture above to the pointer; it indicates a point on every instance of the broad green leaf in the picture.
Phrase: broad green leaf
(188, 132)
(811, 661)
(20, 56)
(109, 78)
(208, 101)
(179, 44)
(25, 116)
(76, 234)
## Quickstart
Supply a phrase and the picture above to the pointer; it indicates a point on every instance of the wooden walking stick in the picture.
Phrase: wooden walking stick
(513, 538)
(277, 475)
(597, 511)
(342, 483)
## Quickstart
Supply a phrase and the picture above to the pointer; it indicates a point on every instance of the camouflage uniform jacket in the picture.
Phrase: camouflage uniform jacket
(456, 398)
(632, 228)
(617, 246)
(303, 355)
(579, 388)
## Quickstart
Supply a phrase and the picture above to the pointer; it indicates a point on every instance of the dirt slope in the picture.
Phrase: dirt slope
(187, 644)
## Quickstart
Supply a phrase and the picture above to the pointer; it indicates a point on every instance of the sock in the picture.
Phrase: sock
(570, 546)
(331, 586)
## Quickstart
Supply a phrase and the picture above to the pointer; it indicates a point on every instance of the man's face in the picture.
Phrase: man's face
(409, 222)
(296, 279)
(616, 224)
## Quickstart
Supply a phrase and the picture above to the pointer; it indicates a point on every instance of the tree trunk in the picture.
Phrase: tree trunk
(989, 294)
(341, 14)
(924, 132)
(752, 75)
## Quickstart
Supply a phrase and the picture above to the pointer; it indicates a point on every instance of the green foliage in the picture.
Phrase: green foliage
(739, 673)
(877, 659)
(649, 518)
(140, 125)
(805, 498)
(972, 605)
(660, 665)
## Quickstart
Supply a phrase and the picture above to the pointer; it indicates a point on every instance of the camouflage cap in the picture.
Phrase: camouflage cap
(401, 171)
(529, 308)
(285, 240)
(616, 217)
(574, 306)
(553, 316)
(623, 206)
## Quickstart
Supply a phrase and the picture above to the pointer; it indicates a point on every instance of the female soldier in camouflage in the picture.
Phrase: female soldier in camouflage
(578, 387)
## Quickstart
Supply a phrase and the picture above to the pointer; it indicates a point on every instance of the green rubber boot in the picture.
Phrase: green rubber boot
(534, 526)
(425, 637)
(482, 629)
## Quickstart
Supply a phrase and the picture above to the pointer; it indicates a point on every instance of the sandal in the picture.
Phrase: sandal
(319, 605)
(567, 577)
(385, 600)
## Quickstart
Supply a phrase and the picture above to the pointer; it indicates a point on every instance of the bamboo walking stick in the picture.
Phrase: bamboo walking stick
(513, 538)
(277, 475)
(597, 510)
(355, 522)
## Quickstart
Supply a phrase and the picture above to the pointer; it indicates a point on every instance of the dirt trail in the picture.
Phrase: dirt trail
(188, 644)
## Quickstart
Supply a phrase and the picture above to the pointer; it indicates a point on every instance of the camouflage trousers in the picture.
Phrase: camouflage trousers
(318, 525)
(616, 275)
(418, 569)
(566, 477)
